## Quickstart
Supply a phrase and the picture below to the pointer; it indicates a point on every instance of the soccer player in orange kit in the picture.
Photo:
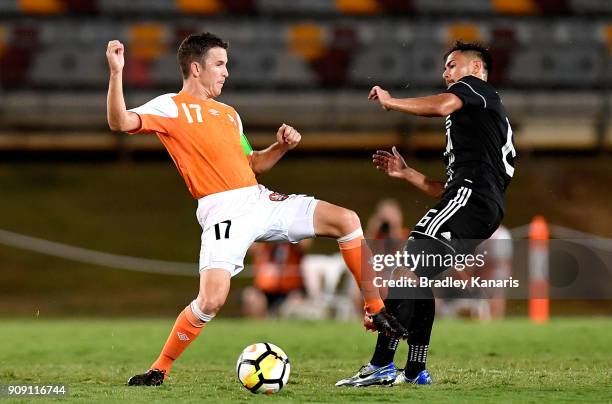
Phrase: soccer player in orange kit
(205, 139)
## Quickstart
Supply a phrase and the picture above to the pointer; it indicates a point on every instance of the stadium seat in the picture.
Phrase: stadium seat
(147, 41)
(299, 7)
(453, 7)
(292, 71)
(387, 66)
(464, 32)
(138, 7)
(426, 67)
(358, 7)
(48, 7)
(200, 6)
(92, 68)
(516, 7)
(70, 67)
(55, 67)
(591, 6)
(252, 68)
(306, 40)
(527, 68)
(9, 7)
(165, 72)
(581, 67)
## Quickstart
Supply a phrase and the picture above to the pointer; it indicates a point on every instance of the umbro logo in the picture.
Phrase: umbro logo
(446, 235)
(181, 336)
(231, 118)
(214, 112)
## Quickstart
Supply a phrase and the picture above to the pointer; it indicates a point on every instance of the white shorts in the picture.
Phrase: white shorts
(231, 221)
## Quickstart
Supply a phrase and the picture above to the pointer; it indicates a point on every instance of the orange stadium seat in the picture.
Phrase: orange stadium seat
(516, 7)
(147, 41)
(359, 7)
(200, 6)
(608, 37)
(464, 32)
(307, 40)
(42, 6)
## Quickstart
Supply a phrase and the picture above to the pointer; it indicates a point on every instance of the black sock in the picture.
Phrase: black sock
(386, 346)
(419, 335)
(417, 357)
(385, 350)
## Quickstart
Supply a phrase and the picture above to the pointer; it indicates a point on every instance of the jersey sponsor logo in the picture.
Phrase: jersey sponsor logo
(277, 197)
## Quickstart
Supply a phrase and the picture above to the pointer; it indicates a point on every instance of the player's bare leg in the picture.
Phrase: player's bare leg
(344, 225)
(214, 288)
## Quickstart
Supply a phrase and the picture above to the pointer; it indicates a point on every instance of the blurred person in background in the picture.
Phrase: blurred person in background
(206, 141)
(482, 304)
(277, 278)
(498, 265)
(387, 233)
(387, 222)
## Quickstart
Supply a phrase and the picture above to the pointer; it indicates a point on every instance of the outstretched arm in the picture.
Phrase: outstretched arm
(287, 138)
(119, 119)
(395, 166)
(434, 105)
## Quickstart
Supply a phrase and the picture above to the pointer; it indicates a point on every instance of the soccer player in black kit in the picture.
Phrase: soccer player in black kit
(479, 157)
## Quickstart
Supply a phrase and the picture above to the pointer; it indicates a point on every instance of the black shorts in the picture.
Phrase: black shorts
(456, 225)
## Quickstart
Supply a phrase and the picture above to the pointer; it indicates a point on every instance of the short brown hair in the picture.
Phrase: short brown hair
(194, 48)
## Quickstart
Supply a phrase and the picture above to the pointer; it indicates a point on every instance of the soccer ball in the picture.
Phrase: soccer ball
(263, 368)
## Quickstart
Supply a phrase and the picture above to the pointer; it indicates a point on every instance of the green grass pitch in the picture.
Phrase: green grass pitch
(567, 360)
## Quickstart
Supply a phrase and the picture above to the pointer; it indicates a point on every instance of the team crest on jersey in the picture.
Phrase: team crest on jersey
(214, 112)
(277, 197)
(231, 118)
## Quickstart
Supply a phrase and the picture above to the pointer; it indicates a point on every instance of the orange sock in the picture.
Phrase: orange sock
(362, 271)
(186, 328)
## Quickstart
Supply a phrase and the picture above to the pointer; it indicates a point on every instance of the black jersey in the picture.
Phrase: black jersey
(479, 143)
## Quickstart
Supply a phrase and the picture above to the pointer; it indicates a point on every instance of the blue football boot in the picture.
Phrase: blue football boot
(370, 375)
(422, 378)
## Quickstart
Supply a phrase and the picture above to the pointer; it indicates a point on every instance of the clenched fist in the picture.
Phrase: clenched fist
(114, 56)
(288, 136)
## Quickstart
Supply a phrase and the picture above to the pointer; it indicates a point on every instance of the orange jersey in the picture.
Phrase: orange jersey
(203, 137)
